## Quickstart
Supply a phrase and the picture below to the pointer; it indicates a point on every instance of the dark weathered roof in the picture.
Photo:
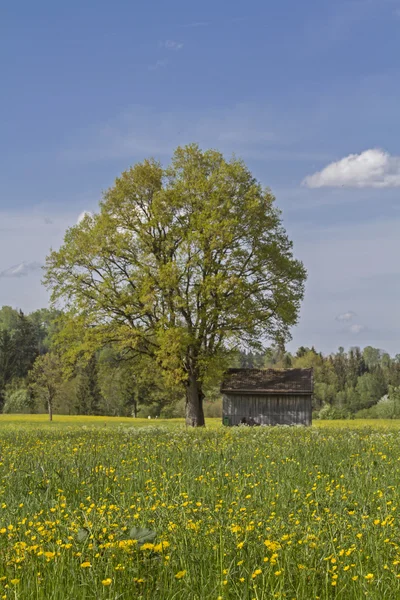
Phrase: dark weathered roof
(267, 381)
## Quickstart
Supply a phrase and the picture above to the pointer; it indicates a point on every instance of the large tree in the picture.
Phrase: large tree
(182, 264)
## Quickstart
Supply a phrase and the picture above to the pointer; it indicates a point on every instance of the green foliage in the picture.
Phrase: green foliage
(133, 385)
(8, 362)
(88, 394)
(22, 338)
(330, 413)
(46, 323)
(182, 264)
(26, 345)
(18, 399)
(370, 388)
(8, 318)
(46, 379)
(388, 407)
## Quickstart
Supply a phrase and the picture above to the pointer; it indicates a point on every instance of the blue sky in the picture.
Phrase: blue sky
(89, 88)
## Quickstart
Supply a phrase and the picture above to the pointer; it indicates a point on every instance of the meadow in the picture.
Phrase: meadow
(101, 508)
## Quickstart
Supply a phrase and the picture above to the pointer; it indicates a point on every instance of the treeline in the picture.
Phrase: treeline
(33, 378)
(358, 383)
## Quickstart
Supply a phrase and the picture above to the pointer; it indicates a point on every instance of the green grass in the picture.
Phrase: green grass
(68, 421)
(239, 513)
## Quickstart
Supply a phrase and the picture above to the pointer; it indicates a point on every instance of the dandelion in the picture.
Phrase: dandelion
(107, 581)
(147, 546)
(86, 564)
(161, 546)
(369, 577)
(180, 574)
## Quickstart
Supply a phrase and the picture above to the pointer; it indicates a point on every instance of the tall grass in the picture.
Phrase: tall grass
(238, 513)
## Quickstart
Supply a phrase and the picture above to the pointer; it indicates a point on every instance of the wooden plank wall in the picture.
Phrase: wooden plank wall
(268, 410)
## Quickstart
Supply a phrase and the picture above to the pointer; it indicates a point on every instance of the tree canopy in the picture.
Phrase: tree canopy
(182, 264)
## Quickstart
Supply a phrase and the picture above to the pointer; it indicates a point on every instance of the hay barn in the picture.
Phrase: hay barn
(267, 396)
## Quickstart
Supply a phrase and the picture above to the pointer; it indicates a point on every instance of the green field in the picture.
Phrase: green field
(237, 512)
(71, 421)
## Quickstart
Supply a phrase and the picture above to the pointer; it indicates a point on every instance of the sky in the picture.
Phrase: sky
(307, 93)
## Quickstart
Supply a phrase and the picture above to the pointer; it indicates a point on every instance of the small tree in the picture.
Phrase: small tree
(182, 264)
(46, 378)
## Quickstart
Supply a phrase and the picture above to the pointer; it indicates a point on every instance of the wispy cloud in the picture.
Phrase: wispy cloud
(356, 328)
(197, 24)
(21, 270)
(373, 168)
(347, 316)
(217, 22)
(159, 64)
(244, 129)
(172, 45)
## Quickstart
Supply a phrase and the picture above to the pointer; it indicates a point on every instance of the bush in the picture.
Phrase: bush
(331, 413)
(19, 401)
(367, 413)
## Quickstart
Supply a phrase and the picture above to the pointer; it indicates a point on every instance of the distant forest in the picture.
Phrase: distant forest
(347, 384)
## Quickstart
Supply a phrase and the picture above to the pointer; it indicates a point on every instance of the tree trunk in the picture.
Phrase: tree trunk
(50, 409)
(135, 409)
(194, 402)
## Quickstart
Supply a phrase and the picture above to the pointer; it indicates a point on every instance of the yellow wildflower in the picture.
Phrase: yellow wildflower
(180, 574)
(147, 546)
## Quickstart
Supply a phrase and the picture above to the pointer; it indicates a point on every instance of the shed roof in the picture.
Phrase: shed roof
(268, 381)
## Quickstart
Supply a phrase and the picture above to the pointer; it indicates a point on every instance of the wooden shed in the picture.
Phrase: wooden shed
(267, 396)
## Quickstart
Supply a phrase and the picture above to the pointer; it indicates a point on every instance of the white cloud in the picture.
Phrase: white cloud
(172, 45)
(21, 270)
(347, 316)
(356, 328)
(373, 168)
(85, 213)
